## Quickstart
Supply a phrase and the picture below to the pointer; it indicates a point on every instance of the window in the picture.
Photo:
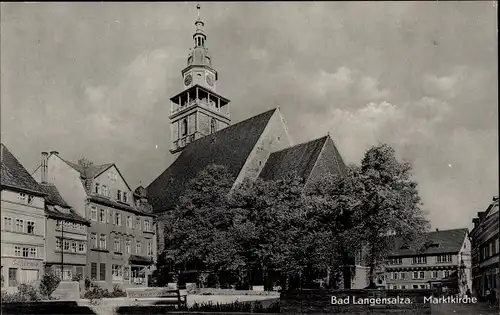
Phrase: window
(138, 223)
(67, 273)
(93, 271)
(7, 224)
(150, 249)
(25, 252)
(443, 258)
(32, 253)
(93, 240)
(125, 199)
(434, 275)
(402, 275)
(117, 271)
(138, 247)
(102, 272)
(102, 241)
(79, 271)
(81, 247)
(394, 276)
(73, 247)
(12, 277)
(17, 251)
(105, 191)
(102, 216)
(184, 128)
(119, 195)
(213, 126)
(415, 286)
(19, 225)
(146, 225)
(97, 189)
(127, 246)
(93, 213)
(118, 218)
(117, 245)
(22, 196)
(415, 275)
(58, 244)
(420, 260)
(129, 222)
(403, 287)
(421, 274)
(66, 245)
(446, 274)
(30, 227)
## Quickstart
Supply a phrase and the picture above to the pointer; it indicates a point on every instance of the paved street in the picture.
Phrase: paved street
(464, 309)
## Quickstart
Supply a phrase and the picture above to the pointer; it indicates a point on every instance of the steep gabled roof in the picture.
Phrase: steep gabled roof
(14, 175)
(230, 147)
(53, 197)
(438, 242)
(54, 202)
(299, 159)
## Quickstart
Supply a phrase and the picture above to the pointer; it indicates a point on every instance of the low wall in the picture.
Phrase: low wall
(67, 291)
(213, 291)
(348, 302)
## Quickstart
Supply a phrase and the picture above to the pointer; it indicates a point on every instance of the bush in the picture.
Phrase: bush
(118, 292)
(77, 278)
(48, 284)
(25, 293)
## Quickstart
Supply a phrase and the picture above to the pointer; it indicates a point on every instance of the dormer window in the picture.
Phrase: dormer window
(97, 188)
(119, 195)
(125, 199)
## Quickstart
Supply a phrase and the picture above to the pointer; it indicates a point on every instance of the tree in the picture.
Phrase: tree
(199, 233)
(48, 284)
(389, 205)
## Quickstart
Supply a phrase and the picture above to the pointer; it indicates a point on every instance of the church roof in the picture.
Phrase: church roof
(14, 175)
(299, 158)
(230, 147)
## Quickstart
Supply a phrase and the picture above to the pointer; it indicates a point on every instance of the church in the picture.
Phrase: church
(202, 134)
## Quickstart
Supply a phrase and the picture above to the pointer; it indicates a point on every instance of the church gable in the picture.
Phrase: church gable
(299, 159)
(229, 147)
(329, 161)
(274, 138)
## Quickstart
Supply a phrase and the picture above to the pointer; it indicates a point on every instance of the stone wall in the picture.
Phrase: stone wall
(320, 302)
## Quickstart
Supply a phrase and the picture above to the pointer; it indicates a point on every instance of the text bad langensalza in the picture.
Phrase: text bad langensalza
(344, 300)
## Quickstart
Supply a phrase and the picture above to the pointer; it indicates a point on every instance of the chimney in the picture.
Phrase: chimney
(481, 215)
(43, 167)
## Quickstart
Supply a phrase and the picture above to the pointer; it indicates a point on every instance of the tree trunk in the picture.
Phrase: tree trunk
(328, 278)
(372, 267)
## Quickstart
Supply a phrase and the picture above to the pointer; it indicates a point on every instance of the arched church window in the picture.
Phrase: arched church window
(213, 126)
(184, 127)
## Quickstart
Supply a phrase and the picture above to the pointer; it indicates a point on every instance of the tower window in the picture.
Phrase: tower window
(213, 126)
(184, 127)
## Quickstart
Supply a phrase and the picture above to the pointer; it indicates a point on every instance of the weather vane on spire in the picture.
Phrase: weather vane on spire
(198, 8)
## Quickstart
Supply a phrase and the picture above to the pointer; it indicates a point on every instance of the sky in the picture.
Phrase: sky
(94, 80)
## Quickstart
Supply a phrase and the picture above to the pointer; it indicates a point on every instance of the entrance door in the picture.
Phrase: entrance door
(12, 277)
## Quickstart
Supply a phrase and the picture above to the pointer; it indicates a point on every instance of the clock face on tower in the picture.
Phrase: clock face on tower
(188, 79)
(210, 80)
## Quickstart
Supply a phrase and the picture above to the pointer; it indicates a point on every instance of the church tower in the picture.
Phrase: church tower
(198, 110)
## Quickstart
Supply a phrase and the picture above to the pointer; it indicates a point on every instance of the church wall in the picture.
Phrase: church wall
(325, 164)
(274, 138)
(204, 123)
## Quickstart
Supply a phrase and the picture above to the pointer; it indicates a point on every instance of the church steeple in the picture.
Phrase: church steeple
(198, 110)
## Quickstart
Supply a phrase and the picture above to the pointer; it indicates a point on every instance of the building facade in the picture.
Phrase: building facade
(485, 251)
(121, 241)
(23, 224)
(443, 262)
(66, 237)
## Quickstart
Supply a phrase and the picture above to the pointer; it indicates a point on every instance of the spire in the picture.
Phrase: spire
(199, 36)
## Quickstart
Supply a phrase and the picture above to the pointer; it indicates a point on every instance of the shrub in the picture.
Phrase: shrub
(118, 292)
(48, 284)
(25, 293)
(77, 278)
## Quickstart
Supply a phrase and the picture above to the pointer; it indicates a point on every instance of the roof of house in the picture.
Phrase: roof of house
(230, 147)
(14, 175)
(299, 159)
(437, 242)
(54, 202)
(53, 197)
